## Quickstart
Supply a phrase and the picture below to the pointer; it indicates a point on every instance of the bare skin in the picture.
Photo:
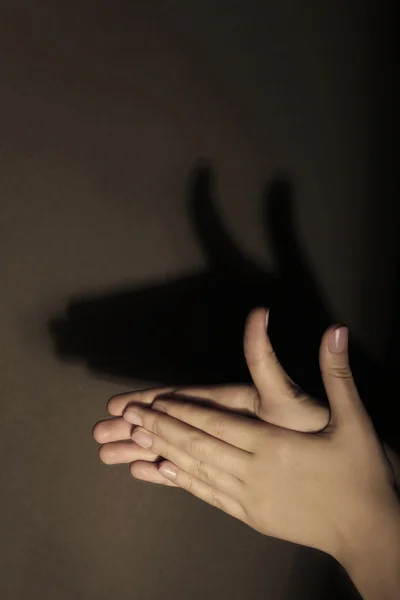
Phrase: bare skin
(322, 482)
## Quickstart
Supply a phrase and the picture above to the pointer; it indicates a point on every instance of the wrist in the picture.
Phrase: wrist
(372, 560)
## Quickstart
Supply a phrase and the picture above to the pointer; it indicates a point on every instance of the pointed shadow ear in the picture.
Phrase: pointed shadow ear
(217, 243)
(279, 222)
(292, 263)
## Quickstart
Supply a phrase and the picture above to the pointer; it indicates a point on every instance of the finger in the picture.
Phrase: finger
(345, 402)
(238, 398)
(202, 490)
(124, 452)
(265, 369)
(213, 476)
(164, 432)
(281, 402)
(117, 404)
(112, 430)
(222, 425)
(149, 472)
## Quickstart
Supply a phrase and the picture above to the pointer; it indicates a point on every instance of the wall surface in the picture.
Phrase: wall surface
(104, 110)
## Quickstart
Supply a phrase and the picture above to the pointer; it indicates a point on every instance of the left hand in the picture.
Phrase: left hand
(329, 490)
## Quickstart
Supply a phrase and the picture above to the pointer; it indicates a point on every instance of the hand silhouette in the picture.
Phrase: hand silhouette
(189, 330)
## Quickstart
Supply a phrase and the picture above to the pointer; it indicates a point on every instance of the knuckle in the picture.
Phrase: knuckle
(184, 412)
(341, 372)
(188, 485)
(215, 499)
(201, 471)
(160, 448)
(195, 445)
(216, 427)
(156, 426)
(160, 406)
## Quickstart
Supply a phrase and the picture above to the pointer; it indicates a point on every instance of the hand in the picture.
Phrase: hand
(274, 398)
(333, 490)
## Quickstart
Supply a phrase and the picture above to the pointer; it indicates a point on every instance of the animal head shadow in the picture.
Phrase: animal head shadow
(189, 330)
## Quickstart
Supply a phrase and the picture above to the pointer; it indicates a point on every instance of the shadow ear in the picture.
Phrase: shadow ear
(279, 223)
(293, 266)
(216, 241)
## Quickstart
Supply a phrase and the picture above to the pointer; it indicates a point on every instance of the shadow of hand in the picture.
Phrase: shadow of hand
(189, 330)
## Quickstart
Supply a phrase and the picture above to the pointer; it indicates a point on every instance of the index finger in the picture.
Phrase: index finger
(117, 404)
(239, 398)
(238, 430)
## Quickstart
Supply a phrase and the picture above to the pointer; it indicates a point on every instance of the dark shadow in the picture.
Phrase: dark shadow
(189, 330)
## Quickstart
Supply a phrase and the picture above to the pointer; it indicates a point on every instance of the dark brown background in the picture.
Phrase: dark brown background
(104, 110)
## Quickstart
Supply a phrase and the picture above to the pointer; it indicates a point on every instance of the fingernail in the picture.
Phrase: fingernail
(338, 339)
(133, 417)
(168, 471)
(158, 407)
(266, 319)
(142, 438)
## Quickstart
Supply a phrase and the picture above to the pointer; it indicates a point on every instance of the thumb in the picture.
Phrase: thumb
(344, 400)
(281, 402)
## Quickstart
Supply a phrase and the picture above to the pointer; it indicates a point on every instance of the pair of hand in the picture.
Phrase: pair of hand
(267, 455)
